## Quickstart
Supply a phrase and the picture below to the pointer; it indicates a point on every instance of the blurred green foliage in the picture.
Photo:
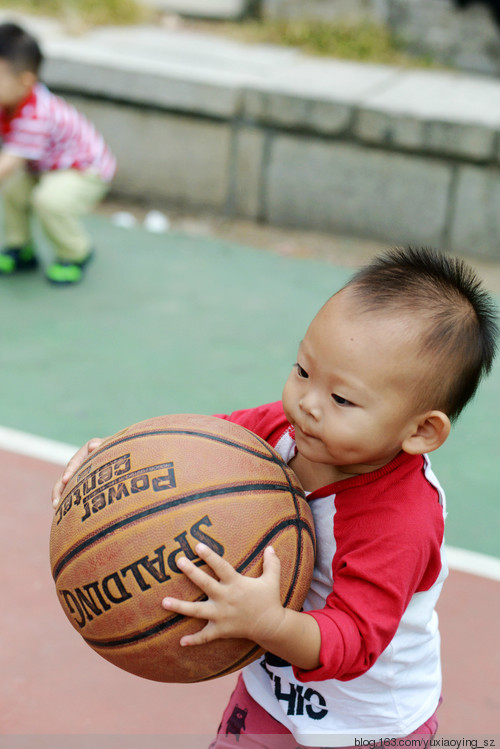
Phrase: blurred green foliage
(364, 41)
(87, 12)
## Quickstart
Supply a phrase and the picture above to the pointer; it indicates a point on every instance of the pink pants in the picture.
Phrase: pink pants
(247, 725)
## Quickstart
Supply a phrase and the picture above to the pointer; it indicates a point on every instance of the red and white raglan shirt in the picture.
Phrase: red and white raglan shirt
(50, 134)
(379, 571)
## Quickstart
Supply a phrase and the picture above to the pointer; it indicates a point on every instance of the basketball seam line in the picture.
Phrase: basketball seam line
(89, 541)
(285, 469)
(167, 623)
(270, 456)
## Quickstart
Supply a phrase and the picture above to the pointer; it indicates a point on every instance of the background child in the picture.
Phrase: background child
(383, 368)
(53, 161)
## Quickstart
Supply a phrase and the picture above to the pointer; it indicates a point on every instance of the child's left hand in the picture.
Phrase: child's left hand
(237, 606)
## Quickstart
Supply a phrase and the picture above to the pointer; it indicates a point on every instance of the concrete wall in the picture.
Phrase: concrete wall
(270, 135)
(303, 179)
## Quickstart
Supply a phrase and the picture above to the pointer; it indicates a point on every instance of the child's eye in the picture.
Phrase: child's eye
(341, 401)
(301, 371)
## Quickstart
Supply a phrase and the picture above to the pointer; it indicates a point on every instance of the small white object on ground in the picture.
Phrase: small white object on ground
(124, 219)
(156, 221)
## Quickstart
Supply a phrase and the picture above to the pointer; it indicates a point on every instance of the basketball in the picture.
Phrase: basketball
(145, 498)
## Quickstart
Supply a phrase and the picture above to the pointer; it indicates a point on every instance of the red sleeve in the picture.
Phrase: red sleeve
(24, 134)
(268, 422)
(388, 547)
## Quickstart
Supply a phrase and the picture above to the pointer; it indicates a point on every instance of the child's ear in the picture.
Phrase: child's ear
(429, 433)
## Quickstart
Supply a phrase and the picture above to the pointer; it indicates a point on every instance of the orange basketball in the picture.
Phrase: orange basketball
(146, 497)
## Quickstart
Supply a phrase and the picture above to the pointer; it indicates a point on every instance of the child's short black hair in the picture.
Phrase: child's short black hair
(459, 318)
(19, 48)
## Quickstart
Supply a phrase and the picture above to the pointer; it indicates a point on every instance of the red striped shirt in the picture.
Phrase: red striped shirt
(50, 134)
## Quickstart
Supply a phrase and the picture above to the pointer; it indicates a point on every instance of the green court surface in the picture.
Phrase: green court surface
(171, 323)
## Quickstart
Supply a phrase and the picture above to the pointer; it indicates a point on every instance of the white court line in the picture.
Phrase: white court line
(473, 562)
(59, 453)
(35, 447)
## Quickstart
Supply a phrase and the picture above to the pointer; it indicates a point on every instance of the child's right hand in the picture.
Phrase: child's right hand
(74, 464)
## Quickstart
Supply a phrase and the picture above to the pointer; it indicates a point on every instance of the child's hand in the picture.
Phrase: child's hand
(76, 461)
(237, 606)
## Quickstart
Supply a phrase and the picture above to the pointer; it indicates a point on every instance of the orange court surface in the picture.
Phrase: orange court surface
(53, 684)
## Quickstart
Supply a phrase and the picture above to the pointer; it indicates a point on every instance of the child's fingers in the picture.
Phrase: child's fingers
(196, 609)
(199, 577)
(272, 564)
(57, 491)
(218, 564)
(80, 457)
(198, 638)
(75, 462)
(94, 443)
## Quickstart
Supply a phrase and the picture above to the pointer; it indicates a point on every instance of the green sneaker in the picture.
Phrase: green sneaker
(14, 259)
(65, 273)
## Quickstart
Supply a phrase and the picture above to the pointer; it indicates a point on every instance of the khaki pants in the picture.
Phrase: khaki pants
(59, 199)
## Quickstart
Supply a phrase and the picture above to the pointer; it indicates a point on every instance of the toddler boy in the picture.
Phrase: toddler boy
(53, 163)
(385, 366)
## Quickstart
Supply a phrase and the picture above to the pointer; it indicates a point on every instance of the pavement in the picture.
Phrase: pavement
(177, 322)
(189, 313)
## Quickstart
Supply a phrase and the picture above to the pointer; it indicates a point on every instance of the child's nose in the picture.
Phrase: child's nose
(310, 405)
